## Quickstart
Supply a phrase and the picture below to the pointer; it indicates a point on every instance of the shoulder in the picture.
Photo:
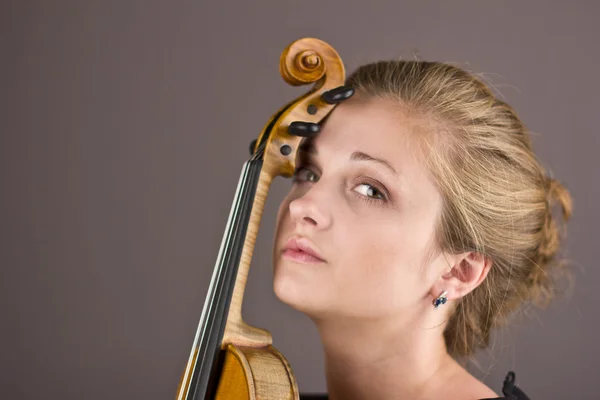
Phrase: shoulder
(457, 383)
(509, 389)
(472, 388)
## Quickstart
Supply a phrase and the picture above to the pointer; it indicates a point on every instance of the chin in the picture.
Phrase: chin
(295, 288)
(285, 286)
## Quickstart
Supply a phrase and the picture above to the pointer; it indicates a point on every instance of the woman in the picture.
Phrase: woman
(418, 219)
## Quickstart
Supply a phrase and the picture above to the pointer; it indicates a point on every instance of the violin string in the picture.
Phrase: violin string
(233, 254)
(208, 319)
(202, 330)
(229, 236)
(258, 154)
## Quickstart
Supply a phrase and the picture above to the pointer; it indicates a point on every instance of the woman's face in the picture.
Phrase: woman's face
(363, 201)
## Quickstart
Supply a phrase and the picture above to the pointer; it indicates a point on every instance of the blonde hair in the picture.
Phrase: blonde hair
(497, 198)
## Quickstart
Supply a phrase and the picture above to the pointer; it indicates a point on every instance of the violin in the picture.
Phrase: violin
(230, 359)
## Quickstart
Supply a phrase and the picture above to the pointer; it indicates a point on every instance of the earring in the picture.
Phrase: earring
(441, 300)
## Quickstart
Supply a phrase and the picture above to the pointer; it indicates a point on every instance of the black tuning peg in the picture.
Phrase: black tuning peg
(304, 129)
(337, 95)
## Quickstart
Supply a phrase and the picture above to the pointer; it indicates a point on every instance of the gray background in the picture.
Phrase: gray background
(124, 127)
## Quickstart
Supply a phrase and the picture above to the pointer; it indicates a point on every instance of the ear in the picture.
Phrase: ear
(467, 272)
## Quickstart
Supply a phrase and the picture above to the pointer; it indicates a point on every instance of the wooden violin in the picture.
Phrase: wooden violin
(230, 359)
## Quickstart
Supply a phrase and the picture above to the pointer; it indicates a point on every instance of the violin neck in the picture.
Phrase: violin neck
(210, 332)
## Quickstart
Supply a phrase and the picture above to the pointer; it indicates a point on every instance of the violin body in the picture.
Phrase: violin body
(256, 373)
(229, 358)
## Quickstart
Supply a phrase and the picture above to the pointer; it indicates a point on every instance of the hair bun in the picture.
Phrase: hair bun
(542, 282)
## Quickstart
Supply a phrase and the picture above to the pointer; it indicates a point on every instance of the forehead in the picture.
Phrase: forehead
(374, 126)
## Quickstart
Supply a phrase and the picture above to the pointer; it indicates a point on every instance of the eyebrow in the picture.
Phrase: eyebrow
(360, 156)
(308, 147)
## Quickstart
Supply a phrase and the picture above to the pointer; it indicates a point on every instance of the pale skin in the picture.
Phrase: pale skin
(372, 224)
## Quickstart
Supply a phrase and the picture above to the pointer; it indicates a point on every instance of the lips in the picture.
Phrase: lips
(301, 249)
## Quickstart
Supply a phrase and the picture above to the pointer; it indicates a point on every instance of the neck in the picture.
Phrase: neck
(383, 358)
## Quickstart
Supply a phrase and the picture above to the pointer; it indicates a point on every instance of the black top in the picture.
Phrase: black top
(509, 389)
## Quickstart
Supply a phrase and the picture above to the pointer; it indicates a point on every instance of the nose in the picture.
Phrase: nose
(310, 210)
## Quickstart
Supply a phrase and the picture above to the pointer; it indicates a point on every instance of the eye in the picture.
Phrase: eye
(303, 174)
(370, 191)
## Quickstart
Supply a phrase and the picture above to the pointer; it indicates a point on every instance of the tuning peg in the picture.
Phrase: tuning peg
(337, 95)
(304, 129)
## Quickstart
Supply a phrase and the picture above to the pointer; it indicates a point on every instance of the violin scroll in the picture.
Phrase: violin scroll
(304, 61)
(299, 64)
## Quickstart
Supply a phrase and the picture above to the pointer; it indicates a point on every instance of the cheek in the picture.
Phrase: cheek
(384, 271)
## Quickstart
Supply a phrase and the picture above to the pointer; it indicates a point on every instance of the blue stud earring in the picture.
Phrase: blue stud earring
(441, 300)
